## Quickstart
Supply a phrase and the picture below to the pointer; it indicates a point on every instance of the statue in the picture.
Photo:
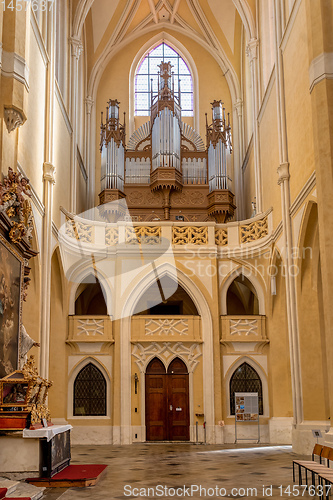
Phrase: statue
(26, 344)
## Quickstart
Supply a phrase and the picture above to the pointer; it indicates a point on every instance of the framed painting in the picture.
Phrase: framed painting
(11, 284)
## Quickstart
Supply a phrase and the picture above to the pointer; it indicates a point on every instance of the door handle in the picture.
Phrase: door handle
(171, 407)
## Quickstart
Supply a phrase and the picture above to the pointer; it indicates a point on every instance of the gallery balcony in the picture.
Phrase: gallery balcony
(95, 235)
(243, 333)
(90, 333)
(166, 329)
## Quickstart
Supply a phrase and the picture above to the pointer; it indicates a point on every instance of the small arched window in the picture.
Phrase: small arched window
(90, 392)
(146, 79)
(245, 379)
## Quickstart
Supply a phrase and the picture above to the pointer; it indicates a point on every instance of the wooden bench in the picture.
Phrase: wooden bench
(315, 468)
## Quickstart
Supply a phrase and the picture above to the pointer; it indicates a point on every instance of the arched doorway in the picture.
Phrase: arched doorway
(167, 401)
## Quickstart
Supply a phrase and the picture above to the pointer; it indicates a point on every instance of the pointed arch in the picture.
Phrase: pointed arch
(80, 365)
(133, 296)
(153, 42)
(79, 277)
(263, 377)
(256, 282)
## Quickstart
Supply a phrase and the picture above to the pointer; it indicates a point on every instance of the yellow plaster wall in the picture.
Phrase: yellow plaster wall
(249, 184)
(58, 348)
(298, 105)
(269, 158)
(31, 134)
(61, 194)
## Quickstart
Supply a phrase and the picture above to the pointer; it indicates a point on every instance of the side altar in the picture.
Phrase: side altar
(29, 442)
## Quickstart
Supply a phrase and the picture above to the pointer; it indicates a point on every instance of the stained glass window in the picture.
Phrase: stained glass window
(90, 392)
(245, 379)
(147, 78)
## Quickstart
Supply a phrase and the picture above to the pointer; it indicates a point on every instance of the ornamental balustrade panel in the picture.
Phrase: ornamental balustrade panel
(221, 237)
(148, 328)
(144, 235)
(243, 328)
(253, 231)
(190, 235)
(89, 329)
(80, 231)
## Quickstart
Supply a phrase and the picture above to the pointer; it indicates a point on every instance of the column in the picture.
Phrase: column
(76, 50)
(238, 107)
(48, 182)
(89, 102)
(283, 181)
(252, 53)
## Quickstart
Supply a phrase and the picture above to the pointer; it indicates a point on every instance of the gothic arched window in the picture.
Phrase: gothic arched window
(245, 379)
(146, 78)
(90, 392)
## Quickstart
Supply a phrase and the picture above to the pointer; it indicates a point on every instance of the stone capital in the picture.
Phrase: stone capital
(89, 101)
(49, 172)
(283, 172)
(252, 49)
(77, 46)
(14, 118)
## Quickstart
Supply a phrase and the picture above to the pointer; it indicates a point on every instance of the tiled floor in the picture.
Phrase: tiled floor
(212, 467)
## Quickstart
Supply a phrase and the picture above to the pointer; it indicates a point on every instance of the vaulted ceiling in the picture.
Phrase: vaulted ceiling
(215, 24)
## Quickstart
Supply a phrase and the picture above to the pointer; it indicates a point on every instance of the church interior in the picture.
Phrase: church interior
(166, 221)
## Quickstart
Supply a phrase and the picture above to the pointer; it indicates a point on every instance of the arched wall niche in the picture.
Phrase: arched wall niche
(257, 282)
(242, 297)
(178, 301)
(77, 285)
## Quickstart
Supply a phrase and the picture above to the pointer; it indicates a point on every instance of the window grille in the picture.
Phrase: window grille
(90, 392)
(245, 379)
(147, 75)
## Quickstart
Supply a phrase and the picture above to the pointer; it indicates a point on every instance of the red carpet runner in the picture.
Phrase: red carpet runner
(73, 475)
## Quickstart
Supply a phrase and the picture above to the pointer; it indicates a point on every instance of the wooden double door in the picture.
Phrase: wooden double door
(167, 402)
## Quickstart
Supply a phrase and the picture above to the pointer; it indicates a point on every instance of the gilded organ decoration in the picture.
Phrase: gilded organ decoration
(254, 231)
(166, 327)
(190, 235)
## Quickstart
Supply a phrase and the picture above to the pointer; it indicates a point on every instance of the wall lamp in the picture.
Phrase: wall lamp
(136, 381)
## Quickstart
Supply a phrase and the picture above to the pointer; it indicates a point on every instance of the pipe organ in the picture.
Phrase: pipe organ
(166, 172)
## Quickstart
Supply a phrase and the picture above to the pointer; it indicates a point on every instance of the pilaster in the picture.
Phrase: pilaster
(252, 53)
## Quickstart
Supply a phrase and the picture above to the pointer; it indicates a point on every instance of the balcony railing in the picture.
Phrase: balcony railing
(102, 234)
(90, 329)
(243, 328)
(166, 328)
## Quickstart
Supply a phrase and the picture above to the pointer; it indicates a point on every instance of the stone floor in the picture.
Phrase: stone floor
(218, 469)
